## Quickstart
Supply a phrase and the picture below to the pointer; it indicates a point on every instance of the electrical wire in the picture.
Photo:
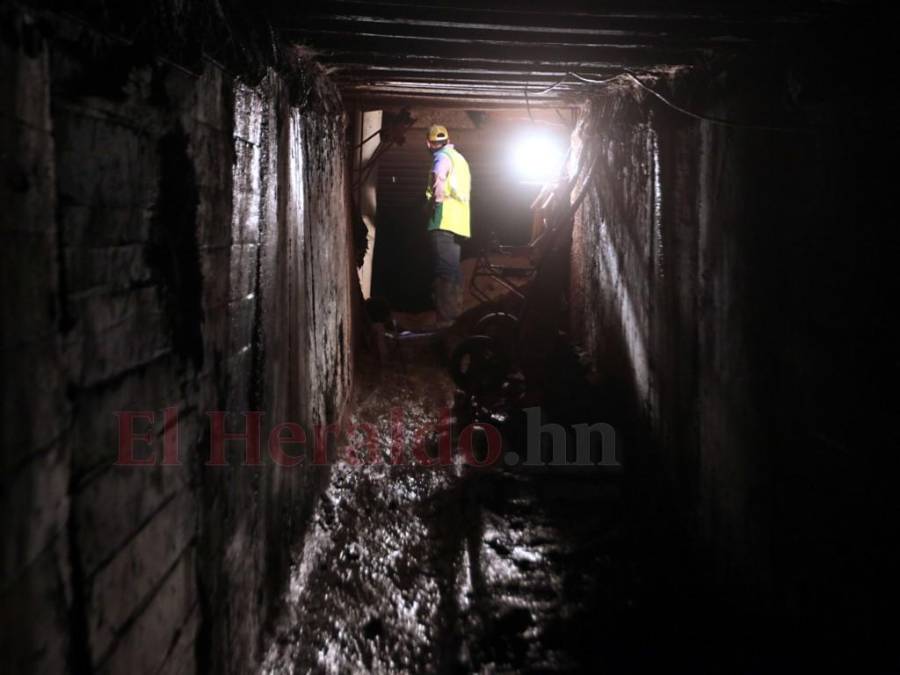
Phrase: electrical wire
(383, 146)
(367, 139)
(575, 75)
(684, 111)
(527, 102)
(366, 169)
(552, 86)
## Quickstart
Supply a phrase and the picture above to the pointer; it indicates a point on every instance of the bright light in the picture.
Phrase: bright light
(538, 157)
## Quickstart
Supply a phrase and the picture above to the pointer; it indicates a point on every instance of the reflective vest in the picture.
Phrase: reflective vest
(454, 210)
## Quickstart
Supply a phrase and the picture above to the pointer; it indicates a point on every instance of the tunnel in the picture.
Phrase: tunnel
(657, 434)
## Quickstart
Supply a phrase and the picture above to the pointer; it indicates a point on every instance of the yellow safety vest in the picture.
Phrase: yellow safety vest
(455, 210)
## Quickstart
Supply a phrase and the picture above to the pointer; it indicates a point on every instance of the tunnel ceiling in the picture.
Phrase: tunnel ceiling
(516, 53)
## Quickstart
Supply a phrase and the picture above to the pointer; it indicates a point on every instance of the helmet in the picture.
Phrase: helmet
(437, 133)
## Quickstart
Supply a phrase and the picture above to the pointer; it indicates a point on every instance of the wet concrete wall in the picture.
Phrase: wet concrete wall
(726, 282)
(173, 237)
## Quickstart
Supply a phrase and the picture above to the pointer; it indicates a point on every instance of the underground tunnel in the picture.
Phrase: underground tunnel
(350, 336)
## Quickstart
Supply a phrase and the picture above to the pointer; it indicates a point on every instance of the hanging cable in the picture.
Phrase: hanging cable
(684, 111)
(366, 169)
(366, 139)
(383, 146)
(575, 75)
(527, 103)
(552, 86)
(588, 80)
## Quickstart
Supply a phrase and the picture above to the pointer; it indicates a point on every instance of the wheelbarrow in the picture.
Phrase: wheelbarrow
(508, 349)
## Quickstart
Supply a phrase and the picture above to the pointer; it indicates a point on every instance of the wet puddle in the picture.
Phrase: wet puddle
(408, 568)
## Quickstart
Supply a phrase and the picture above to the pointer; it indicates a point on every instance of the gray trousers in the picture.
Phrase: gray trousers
(447, 275)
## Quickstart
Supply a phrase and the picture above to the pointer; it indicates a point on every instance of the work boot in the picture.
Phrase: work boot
(444, 302)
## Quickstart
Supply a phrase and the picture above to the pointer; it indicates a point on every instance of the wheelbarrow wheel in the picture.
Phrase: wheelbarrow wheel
(479, 364)
(501, 326)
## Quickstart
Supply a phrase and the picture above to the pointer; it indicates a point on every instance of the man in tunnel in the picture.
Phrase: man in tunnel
(449, 189)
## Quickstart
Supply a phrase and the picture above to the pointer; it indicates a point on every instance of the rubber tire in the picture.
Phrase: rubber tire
(479, 364)
(501, 326)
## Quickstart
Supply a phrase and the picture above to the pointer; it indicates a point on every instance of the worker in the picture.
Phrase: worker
(449, 189)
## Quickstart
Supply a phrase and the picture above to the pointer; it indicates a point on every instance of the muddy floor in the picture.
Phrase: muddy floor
(428, 566)
(506, 568)
(455, 568)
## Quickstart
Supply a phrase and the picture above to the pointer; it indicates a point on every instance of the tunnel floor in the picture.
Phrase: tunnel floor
(455, 568)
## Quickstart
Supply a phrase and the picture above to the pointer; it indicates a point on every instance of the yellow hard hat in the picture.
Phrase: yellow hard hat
(437, 133)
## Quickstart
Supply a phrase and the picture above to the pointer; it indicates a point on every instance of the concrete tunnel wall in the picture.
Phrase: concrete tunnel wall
(169, 238)
(726, 281)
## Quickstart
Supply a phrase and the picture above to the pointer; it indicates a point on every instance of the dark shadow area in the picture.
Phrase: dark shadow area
(573, 569)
